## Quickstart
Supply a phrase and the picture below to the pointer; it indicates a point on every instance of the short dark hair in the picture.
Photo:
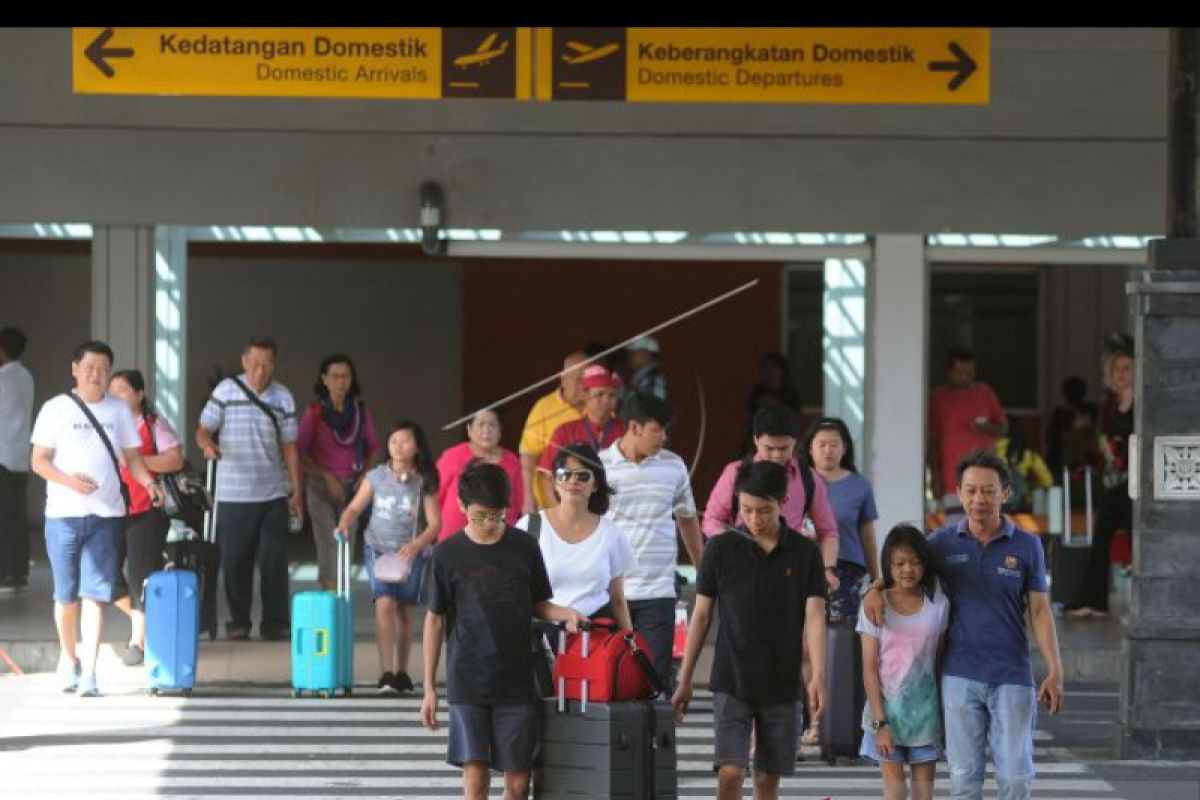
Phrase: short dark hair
(424, 462)
(984, 460)
(93, 346)
(262, 343)
(586, 454)
(641, 407)
(327, 362)
(959, 354)
(764, 479)
(830, 424)
(908, 535)
(776, 420)
(484, 484)
(12, 342)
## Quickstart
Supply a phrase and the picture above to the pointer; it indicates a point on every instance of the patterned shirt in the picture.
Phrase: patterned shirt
(647, 497)
(251, 469)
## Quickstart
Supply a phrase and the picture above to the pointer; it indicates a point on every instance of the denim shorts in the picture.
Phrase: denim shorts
(901, 754)
(503, 737)
(85, 557)
(775, 728)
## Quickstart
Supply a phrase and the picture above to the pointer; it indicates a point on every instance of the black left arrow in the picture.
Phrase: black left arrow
(97, 53)
(964, 65)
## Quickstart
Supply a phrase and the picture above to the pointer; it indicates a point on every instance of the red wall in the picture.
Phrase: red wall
(520, 318)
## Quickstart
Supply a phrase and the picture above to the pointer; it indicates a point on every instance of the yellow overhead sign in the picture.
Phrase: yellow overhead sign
(394, 63)
(765, 65)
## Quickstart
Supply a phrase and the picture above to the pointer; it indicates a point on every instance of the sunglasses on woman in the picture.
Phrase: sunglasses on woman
(563, 475)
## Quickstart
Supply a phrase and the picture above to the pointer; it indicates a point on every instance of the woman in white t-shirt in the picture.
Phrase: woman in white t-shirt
(586, 554)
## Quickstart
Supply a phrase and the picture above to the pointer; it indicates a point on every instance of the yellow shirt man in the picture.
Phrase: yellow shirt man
(547, 414)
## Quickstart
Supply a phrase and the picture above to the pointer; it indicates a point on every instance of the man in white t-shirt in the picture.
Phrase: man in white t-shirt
(653, 494)
(85, 504)
(16, 412)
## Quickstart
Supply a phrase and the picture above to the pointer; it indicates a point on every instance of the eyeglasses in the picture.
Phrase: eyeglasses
(563, 475)
(485, 519)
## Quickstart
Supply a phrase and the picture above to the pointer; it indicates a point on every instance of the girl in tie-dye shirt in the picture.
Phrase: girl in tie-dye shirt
(902, 718)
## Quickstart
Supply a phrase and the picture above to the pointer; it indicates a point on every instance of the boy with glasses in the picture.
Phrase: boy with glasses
(486, 584)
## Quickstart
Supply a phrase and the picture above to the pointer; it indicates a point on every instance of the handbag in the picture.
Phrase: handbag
(617, 665)
(185, 496)
(408, 573)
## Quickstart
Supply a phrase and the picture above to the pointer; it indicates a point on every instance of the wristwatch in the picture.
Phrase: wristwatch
(878, 724)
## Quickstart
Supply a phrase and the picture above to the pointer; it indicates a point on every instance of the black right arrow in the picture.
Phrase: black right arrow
(97, 53)
(964, 66)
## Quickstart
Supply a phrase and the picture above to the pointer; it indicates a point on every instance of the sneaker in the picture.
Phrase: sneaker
(134, 655)
(386, 684)
(402, 683)
(88, 687)
(237, 633)
(68, 675)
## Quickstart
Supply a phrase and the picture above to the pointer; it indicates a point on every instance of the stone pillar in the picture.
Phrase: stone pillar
(897, 369)
(123, 276)
(1160, 700)
(170, 327)
(845, 339)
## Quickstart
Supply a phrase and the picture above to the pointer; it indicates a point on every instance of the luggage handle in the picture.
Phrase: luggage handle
(321, 638)
(209, 534)
(585, 628)
(343, 564)
(1068, 531)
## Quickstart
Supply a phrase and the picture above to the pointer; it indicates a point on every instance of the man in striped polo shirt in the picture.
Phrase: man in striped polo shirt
(254, 419)
(653, 492)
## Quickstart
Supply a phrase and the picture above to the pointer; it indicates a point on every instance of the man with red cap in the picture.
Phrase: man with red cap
(598, 427)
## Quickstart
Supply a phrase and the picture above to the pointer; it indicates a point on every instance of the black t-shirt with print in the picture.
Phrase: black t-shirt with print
(487, 594)
(761, 599)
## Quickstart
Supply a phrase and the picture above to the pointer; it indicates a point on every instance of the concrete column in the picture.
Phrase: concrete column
(123, 274)
(1159, 715)
(897, 369)
(170, 326)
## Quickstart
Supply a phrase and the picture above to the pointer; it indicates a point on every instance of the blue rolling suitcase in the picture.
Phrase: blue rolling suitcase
(323, 636)
(172, 602)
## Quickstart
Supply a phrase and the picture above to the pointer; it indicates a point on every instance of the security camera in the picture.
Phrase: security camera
(431, 219)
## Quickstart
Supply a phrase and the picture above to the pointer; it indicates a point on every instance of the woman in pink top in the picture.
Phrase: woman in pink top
(483, 444)
(337, 445)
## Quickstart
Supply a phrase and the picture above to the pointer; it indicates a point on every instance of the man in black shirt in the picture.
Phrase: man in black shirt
(769, 583)
(487, 583)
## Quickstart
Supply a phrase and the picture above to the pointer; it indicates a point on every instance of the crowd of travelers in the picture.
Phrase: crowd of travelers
(584, 522)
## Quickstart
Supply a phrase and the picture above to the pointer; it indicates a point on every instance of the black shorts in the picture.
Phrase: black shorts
(503, 737)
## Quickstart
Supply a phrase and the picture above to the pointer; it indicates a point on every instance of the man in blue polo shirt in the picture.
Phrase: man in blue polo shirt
(994, 572)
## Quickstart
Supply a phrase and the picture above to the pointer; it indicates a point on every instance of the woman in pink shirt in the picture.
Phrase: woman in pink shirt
(483, 444)
(337, 445)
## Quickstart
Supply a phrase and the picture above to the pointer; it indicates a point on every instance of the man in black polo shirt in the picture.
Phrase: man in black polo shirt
(770, 584)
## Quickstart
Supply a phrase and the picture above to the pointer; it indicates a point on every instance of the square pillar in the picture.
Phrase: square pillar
(123, 297)
(893, 457)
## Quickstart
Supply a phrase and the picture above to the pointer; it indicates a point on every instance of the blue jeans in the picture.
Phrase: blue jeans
(981, 715)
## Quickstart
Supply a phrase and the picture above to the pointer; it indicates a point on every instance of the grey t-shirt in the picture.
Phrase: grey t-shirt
(395, 511)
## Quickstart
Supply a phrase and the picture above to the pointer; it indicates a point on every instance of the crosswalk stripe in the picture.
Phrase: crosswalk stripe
(256, 742)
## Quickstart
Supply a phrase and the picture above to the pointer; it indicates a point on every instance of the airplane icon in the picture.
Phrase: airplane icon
(484, 53)
(585, 52)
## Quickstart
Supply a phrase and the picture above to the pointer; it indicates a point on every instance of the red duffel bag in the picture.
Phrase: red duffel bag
(603, 664)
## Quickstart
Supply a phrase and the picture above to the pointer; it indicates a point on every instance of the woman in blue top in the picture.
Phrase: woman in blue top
(830, 450)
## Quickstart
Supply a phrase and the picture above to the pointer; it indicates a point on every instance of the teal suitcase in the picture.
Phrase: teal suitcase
(323, 636)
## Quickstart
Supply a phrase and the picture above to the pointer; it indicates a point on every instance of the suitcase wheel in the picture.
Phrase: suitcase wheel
(153, 692)
(296, 693)
(349, 691)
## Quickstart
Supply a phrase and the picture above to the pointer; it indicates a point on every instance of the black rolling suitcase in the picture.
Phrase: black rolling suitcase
(623, 750)
(1070, 551)
(841, 724)
(202, 556)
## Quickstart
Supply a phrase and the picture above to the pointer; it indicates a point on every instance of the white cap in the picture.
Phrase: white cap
(646, 343)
